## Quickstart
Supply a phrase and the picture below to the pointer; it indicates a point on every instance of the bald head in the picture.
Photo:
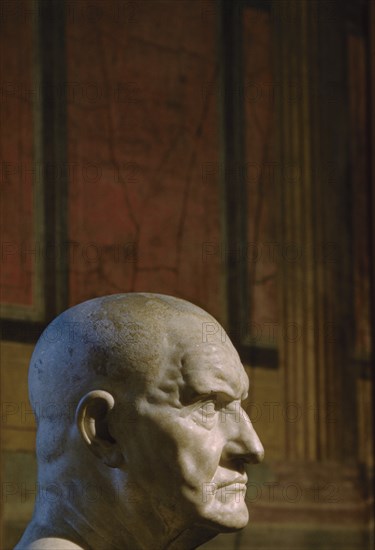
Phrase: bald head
(139, 396)
(110, 338)
(120, 343)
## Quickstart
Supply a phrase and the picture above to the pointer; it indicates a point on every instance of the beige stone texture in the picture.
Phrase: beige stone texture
(17, 419)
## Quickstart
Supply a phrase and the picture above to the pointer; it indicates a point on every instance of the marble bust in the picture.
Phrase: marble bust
(141, 439)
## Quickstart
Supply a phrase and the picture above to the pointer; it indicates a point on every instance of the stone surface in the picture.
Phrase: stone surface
(18, 486)
(17, 419)
(142, 441)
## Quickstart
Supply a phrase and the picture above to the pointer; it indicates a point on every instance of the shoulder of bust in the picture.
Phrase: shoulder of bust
(52, 543)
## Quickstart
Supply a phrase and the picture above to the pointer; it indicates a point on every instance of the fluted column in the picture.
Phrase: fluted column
(314, 230)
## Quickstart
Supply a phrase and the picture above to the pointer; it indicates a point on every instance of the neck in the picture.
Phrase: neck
(106, 524)
(191, 538)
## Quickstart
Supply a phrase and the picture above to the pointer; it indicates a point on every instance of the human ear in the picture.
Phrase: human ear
(92, 422)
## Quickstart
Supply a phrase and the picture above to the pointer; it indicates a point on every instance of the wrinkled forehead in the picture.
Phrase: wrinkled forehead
(195, 362)
(215, 368)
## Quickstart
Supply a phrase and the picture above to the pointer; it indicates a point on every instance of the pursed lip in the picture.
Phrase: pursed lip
(240, 480)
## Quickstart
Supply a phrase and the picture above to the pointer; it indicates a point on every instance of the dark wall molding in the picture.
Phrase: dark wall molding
(51, 67)
(234, 189)
(50, 186)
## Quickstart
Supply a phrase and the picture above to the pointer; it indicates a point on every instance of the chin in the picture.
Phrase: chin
(225, 518)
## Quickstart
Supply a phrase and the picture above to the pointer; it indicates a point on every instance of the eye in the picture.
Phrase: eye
(206, 413)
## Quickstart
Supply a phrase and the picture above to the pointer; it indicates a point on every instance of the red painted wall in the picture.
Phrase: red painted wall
(16, 154)
(142, 129)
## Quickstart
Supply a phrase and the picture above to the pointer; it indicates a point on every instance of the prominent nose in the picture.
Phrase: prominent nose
(242, 441)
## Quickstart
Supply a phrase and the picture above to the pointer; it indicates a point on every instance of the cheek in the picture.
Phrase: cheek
(173, 452)
(199, 458)
(149, 452)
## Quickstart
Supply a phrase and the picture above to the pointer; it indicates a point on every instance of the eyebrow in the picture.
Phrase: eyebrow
(217, 387)
(231, 395)
(226, 377)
